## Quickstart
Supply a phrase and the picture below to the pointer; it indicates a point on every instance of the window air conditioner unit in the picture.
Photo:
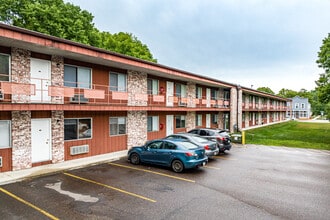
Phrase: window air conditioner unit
(1, 96)
(182, 104)
(78, 98)
(0, 161)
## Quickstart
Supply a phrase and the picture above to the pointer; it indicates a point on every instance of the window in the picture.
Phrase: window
(78, 77)
(169, 146)
(214, 118)
(302, 105)
(198, 92)
(297, 105)
(156, 145)
(152, 86)
(117, 82)
(153, 123)
(118, 126)
(5, 134)
(199, 120)
(226, 95)
(180, 90)
(180, 121)
(214, 94)
(75, 129)
(4, 67)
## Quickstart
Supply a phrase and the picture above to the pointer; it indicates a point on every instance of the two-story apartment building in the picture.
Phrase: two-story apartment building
(61, 100)
(299, 108)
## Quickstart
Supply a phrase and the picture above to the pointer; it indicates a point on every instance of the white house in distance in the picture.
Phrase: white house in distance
(300, 108)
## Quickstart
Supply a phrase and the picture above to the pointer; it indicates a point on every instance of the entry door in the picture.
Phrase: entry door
(41, 140)
(208, 120)
(169, 124)
(208, 97)
(169, 93)
(41, 78)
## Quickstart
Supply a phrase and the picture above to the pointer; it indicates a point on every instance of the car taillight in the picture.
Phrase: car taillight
(206, 147)
(220, 138)
(189, 154)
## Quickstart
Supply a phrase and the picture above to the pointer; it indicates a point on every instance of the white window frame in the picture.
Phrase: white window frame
(79, 137)
(121, 86)
(121, 118)
(5, 132)
(199, 92)
(154, 86)
(182, 118)
(79, 84)
(9, 68)
(183, 90)
(199, 120)
(154, 120)
(302, 105)
(296, 105)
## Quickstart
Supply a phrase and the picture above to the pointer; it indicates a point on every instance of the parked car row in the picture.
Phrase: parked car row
(183, 150)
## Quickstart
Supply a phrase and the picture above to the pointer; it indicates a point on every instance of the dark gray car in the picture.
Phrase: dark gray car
(221, 136)
(211, 147)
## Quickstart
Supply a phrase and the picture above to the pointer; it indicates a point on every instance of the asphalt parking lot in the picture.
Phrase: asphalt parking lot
(253, 182)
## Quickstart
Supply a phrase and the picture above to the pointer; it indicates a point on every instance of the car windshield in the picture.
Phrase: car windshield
(188, 145)
(199, 139)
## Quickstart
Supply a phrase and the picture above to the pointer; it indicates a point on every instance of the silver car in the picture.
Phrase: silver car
(211, 147)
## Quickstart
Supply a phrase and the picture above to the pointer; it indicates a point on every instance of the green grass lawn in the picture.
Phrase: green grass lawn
(292, 134)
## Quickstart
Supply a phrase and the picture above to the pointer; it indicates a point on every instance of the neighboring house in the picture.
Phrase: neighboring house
(61, 100)
(299, 108)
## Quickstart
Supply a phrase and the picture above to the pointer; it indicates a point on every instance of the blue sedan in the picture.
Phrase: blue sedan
(177, 154)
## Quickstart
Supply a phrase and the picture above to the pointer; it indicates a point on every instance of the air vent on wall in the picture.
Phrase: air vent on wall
(78, 98)
(82, 149)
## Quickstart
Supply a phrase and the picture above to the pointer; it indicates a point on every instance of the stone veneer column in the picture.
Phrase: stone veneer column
(57, 136)
(136, 128)
(20, 71)
(190, 120)
(233, 108)
(221, 120)
(57, 76)
(191, 94)
(21, 140)
(137, 88)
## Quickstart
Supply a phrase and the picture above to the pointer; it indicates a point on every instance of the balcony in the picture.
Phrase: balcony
(42, 92)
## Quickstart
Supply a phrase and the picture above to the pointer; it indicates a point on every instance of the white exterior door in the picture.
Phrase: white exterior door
(208, 97)
(41, 78)
(208, 120)
(169, 93)
(41, 140)
(169, 124)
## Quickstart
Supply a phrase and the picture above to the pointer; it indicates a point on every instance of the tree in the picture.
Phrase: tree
(65, 20)
(287, 93)
(266, 89)
(323, 83)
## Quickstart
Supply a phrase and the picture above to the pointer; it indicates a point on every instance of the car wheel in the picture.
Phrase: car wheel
(177, 166)
(135, 158)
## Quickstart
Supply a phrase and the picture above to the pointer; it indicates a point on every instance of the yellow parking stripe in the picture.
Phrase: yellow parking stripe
(149, 171)
(224, 158)
(209, 167)
(110, 187)
(29, 204)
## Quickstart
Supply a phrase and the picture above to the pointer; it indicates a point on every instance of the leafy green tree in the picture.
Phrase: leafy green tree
(323, 83)
(287, 93)
(266, 89)
(65, 20)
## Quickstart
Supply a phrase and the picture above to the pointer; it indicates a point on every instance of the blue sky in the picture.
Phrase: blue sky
(271, 43)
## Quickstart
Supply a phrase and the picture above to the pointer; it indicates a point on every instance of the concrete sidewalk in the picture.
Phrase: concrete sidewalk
(15, 176)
